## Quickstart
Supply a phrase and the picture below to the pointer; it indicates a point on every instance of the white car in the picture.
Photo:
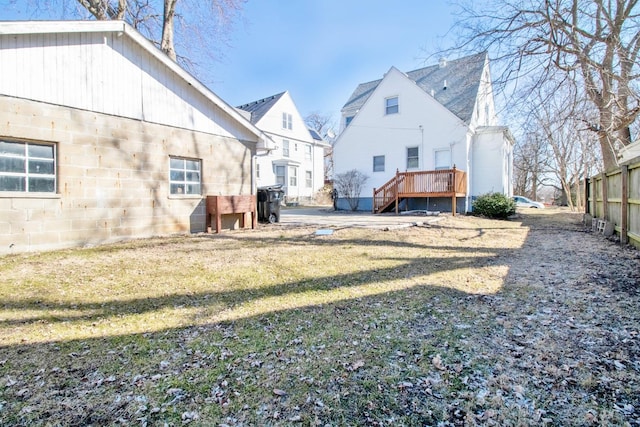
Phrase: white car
(523, 202)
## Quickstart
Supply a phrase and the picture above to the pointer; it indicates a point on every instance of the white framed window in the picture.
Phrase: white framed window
(391, 105)
(442, 159)
(307, 152)
(279, 172)
(257, 170)
(285, 148)
(413, 157)
(287, 122)
(293, 176)
(185, 176)
(27, 167)
(308, 179)
(378, 163)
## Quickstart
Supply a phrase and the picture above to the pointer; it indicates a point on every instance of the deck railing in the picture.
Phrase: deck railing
(438, 183)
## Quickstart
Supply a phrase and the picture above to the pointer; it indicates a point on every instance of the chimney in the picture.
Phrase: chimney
(444, 85)
(443, 62)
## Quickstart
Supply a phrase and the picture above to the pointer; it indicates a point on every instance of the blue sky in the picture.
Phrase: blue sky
(318, 50)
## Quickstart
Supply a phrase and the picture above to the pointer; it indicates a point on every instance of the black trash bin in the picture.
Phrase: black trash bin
(269, 199)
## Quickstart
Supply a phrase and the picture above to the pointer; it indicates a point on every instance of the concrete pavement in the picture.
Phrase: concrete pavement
(326, 217)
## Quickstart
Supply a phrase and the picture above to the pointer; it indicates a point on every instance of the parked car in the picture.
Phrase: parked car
(523, 202)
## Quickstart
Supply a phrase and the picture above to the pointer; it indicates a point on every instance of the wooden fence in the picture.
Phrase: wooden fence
(615, 197)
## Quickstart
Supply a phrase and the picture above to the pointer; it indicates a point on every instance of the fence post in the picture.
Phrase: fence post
(587, 203)
(605, 197)
(624, 206)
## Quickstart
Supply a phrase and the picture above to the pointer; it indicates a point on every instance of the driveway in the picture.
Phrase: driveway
(326, 217)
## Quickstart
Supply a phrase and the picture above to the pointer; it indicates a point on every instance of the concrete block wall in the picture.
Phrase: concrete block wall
(112, 178)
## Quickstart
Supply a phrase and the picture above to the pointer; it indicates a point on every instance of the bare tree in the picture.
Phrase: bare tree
(595, 42)
(203, 24)
(349, 185)
(324, 125)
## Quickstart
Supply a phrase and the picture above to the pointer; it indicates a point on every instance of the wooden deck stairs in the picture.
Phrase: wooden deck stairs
(439, 183)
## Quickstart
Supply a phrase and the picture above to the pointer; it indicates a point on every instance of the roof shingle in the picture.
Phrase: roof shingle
(462, 77)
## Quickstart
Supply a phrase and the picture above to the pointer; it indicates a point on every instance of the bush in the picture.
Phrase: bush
(494, 205)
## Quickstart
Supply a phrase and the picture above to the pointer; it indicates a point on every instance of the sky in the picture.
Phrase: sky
(318, 50)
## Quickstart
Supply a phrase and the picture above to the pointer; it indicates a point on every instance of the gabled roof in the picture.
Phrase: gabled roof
(462, 77)
(260, 107)
(121, 28)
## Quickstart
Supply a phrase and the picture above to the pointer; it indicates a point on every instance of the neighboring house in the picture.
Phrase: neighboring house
(297, 162)
(103, 138)
(430, 119)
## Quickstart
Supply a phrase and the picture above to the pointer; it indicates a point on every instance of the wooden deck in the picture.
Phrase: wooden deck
(439, 183)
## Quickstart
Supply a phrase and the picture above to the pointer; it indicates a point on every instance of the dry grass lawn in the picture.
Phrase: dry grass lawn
(533, 321)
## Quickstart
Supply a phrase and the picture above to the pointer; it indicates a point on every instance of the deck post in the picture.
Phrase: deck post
(453, 195)
(397, 175)
(373, 204)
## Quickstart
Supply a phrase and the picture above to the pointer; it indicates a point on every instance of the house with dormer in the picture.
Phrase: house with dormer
(297, 160)
(427, 139)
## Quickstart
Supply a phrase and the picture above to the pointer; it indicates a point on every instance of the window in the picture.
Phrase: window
(279, 170)
(378, 163)
(184, 176)
(391, 105)
(293, 176)
(347, 120)
(308, 179)
(287, 123)
(307, 152)
(285, 148)
(442, 159)
(413, 158)
(257, 170)
(27, 167)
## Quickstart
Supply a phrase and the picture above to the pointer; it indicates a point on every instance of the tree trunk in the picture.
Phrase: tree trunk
(166, 44)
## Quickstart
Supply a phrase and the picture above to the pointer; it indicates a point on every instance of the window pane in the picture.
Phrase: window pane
(42, 151)
(192, 165)
(16, 148)
(12, 183)
(193, 188)
(193, 176)
(177, 175)
(392, 105)
(177, 189)
(44, 167)
(12, 164)
(176, 163)
(43, 185)
(378, 163)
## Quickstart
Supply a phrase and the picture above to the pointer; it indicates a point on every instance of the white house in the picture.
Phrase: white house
(104, 138)
(429, 119)
(297, 162)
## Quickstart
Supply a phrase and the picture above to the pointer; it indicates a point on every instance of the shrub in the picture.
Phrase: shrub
(494, 205)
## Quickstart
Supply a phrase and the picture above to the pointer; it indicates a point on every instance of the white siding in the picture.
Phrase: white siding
(372, 133)
(271, 123)
(107, 72)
